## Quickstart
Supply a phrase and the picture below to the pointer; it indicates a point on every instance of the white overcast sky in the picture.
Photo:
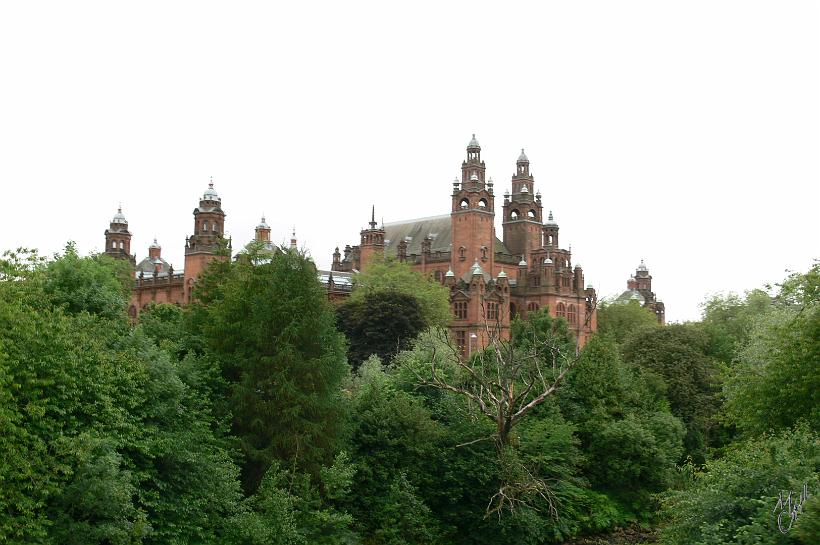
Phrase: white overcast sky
(683, 133)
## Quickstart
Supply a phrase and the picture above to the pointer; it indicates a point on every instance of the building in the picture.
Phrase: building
(639, 288)
(491, 280)
(156, 280)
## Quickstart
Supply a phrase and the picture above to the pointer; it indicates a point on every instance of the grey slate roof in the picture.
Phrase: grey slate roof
(147, 266)
(630, 295)
(439, 228)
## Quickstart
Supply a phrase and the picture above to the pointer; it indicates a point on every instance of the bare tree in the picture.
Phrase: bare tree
(506, 382)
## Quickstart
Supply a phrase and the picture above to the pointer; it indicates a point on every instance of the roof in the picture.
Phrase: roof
(630, 295)
(339, 278)
(438, 228)
(148, 265)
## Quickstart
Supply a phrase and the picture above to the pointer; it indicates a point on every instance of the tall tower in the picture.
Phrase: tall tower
(472, 215)
(118, 238)
(522, 211)
(262, 231)
(372, 241)
(200, 248)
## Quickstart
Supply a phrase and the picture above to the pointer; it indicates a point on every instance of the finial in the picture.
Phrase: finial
(211, 183)
(119, 208)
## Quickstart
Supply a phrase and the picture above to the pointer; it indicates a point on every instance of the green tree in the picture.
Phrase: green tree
(269, 326)
(775, 382)
(622, 321)
(389, 274)
(678, 354)
(383, 323)
(728, 319)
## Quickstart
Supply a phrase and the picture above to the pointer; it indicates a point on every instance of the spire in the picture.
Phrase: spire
(373, 217)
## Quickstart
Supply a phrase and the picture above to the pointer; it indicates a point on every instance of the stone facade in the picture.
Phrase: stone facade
(639, 288)
(491, 281)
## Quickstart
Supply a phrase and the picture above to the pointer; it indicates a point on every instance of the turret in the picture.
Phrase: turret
(372, 241)
(118, 238)
(522, 211)
(154, 250)
(262, 231)
(209, 229)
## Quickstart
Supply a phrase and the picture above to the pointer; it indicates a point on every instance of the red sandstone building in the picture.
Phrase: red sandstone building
(639, 289)
(490, 280)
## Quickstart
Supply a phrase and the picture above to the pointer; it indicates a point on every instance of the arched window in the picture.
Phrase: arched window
(532, 307)
(572, 317)
(482, 204)
(122, 245)
(531, 214)
(113, 244)
(514, 214)
(205, 226)
(513, 311)
(561, 310)
(464, 204)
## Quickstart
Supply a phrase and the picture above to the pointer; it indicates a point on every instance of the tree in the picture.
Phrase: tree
(384, 323)
(775, 382)
(385, 273)
(269, 326)
(678, 354)
(622, 321)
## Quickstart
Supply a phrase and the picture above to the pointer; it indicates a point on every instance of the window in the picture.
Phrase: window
(532, 307)
(122, 245)
(561, 310)
(514, 214)
(439, 276)
(482, 204)
(464, 204)
(460, 310)
(572, 316)
(535, 281)
(492, 311)
(113, 244)
(461, 341)
(531, 214)
(513, 311)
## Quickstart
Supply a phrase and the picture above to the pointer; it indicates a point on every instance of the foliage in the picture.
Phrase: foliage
(384, 273)
(678, 354)
(775, 381)
(622, 321)
(728, 319)
(733, 499)
(270, 328)
(382, 323)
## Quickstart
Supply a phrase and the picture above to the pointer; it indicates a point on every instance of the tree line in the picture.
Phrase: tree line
(262, 414)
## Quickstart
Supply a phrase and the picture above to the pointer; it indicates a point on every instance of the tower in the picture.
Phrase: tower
(550, 233)
(118, 238)
(201, 247)
(262, 231)
(472, 215)
(522, 211)
(372, 241)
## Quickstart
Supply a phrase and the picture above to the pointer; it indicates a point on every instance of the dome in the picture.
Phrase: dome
(525, 190)
(642, 266)
(502, 274)
(590, 287)
(523, 157)
(550, 220)
(476, 270)
(210, 194)
(155, 245)
(474, 177)
(473, 143)
(577, 265)
(450, 273)
(547, 261)
(523, 262)
(119, 217)
(264, 225)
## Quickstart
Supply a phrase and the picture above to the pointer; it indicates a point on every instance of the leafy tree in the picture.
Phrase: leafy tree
(271, 330)
(383, 323)
(622, 321)
(728, 319)
(678, 354)
(734, 498)
(775, 382)
(388, 274)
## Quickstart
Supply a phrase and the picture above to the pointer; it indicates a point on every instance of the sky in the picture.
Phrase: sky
(686, 134)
